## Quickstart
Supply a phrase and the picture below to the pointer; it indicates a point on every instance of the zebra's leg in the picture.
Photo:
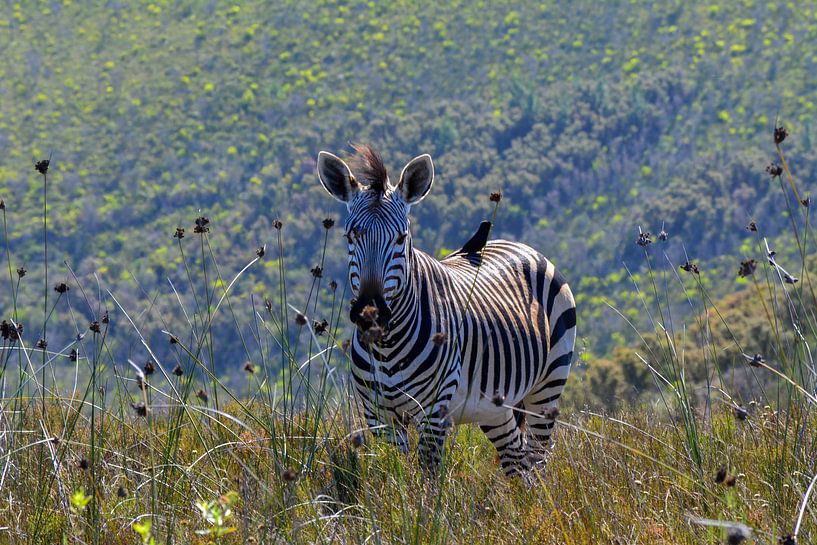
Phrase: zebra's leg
(433, 430)
(504, 432)
(541, 411)
(383, 430)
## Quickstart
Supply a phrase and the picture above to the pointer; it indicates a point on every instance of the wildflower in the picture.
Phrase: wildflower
(498, 399)
(179, 234)
(42, 166)
(438, 338)
(202, 395)
(320, 327)
(300, 319)
(178, 371)
(720, 476)
(774, 169)
(780, 134)
(106, 318)
(277, 224)
(201, 225)
(268, 305)
(747, 268)
(94, 326)
(496, 197)
(752, 226)
(249, 367)
(261, 251)
(21, 272)
(663, 236)
(5, 330)
(289, 475)
(690, 267)
(806, 201)
(757, 360)
(317, 271)
(139, 409)
(42, 344)
(61, 288)
(333, 285)
(328, 223)
(644, 239)
(73, 355)
(149, 368)
(16, 334)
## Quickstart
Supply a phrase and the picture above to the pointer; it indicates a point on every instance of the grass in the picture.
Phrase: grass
(97, 446)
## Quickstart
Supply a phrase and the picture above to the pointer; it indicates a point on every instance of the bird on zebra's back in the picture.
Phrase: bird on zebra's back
(485, 335)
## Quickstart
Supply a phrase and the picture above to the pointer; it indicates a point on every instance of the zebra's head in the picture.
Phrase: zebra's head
(377, 227)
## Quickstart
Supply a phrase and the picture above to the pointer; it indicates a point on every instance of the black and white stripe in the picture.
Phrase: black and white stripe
(486, 335)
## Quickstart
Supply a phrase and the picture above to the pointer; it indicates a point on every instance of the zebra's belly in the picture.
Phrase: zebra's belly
(470, 407)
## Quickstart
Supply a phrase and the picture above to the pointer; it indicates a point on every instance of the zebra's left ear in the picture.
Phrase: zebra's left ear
(416, 179)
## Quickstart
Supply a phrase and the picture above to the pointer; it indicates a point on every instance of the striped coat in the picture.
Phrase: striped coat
(486, 335)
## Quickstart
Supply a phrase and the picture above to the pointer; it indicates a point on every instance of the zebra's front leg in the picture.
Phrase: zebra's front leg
(383, 430)
(504, 432)
(433, 430)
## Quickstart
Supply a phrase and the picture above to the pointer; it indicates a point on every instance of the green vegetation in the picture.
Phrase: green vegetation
(172, 361)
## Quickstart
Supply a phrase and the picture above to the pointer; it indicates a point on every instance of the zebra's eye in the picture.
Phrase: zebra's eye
(401, 238)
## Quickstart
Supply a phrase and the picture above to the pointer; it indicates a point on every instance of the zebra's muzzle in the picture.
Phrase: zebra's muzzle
(370, 310)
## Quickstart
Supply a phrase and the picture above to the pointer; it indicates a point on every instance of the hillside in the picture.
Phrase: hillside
(591, 121)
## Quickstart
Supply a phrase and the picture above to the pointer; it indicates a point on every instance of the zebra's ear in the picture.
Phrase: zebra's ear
(416, 179)
(336, 177)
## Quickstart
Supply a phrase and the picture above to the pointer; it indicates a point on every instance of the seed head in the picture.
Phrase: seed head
(179, 233)
(328, 223)
(73, 355)
(42, 344)
(289, 475)
(551, 413)
(106, 317)
(663, 236)
(644, 239)
(21, 271)
(42, 166)
(372, 335)
(317, 271)
(438, 338)
(752, 226)
(757, 360)
(496, 196)
(174, 339)
(498, 399)
(357, 440)
(83, 463)
(741, 413)
(277, 224)
(789, 279)
(720, 476)
(730, 480)
(5, 330)
(747, 268)
(690, 267)
(787, 539)
(2, 204)
(344, 346)
(121, 492)
(261, 251)
(149, 368)
(780, 134)
(249, 368)
(806, 201)
(139, 409)
(94, 326)
(300, 319)
(333, 285)
(774, 169)
(178, 371)
(320, 327)
(202, 395)
(61, 288)
(202, 223)
(369, 313)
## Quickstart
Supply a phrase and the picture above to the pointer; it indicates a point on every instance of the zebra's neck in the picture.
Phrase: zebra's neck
(407, 303)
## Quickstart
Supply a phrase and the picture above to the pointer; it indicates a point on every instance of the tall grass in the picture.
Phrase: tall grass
(111, 438)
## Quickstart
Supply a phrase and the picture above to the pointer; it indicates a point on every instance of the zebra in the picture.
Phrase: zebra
(485, 335)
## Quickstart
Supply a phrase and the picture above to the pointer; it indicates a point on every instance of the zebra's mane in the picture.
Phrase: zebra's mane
(368, 167)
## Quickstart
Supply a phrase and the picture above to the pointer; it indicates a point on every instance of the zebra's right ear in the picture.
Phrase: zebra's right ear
(336, 177)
